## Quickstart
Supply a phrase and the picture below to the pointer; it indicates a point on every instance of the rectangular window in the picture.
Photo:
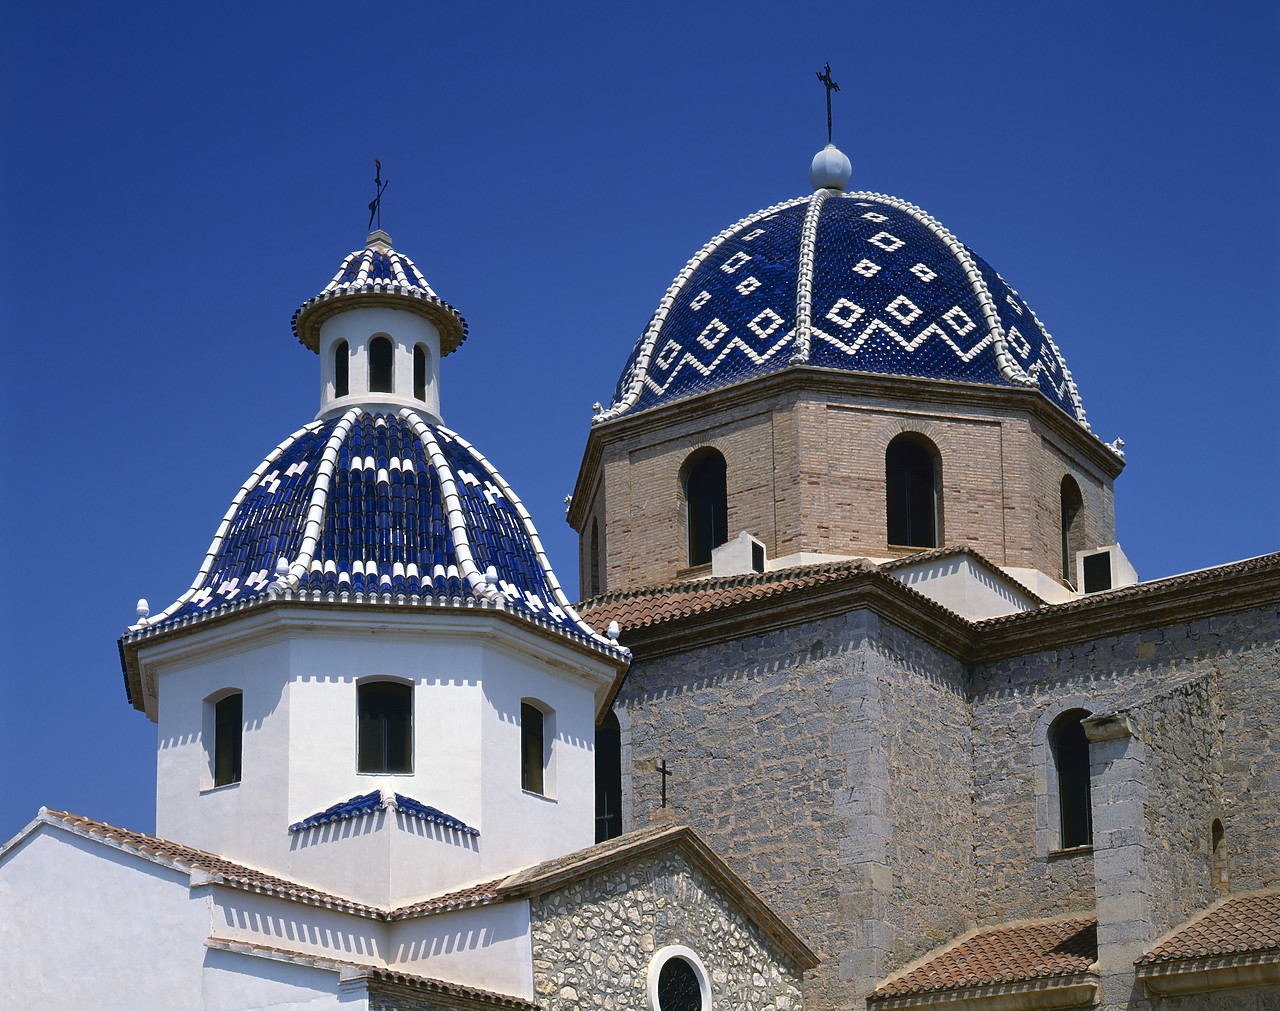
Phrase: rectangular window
(385, 732)
(228, 739)
(531, 748)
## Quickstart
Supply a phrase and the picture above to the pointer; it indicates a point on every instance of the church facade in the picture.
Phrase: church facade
(887, 655)
(864, 707)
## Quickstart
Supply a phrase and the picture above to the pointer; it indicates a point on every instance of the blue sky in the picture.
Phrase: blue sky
(175, 182)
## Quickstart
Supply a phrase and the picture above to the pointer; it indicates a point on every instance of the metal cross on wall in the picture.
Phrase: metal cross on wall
(375, 205)
(665, 773)
(825, 78)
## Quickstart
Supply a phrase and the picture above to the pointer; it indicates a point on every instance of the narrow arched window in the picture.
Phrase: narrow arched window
(420, 372)
(533, 751)
(1218, 857)
(341, 363)
(228, 739)
(608, 778)
(380, 359)
(911, 482)
(593, 560)
(1072, 526)
(385, 729)
(1070, 750)
(707, 501)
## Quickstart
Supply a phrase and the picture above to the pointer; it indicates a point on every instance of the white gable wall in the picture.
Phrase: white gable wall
(67, 903)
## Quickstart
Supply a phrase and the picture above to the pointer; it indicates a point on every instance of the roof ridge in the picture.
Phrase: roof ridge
(1257, 562)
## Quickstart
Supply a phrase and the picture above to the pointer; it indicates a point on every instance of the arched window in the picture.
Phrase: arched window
(911, 482)
(228, 738)
(608, 778)
(593, 550)
(341, 363)
(707, 501)
(380, 359)
(420, 372)
(678, 981)
(1218, 856)
(1072, 526)
(385, 732)
(536, 731)
(1071, 762)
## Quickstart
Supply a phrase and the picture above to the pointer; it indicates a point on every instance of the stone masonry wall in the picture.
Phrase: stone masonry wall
(1182, 773)
(1012, 698)
(828, 764)
(1244, 650)
(594, 940)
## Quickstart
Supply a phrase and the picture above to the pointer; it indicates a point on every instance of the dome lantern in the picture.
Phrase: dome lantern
(380, 331)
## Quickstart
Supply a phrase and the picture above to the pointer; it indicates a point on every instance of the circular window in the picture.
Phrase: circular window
(678, 981)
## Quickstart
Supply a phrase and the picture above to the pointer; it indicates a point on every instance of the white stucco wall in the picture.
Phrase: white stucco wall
(86, 926)
(298, 672)
(238, 982)
(969, 590)
(356, 327)
(486, 947)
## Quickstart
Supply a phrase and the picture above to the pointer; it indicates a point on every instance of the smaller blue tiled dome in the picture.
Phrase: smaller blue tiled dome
(378, 508)
(378, 275)
(858, 282)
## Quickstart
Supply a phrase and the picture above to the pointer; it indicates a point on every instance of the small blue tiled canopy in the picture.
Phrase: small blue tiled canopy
(379, 275)
(857, 282)
(379, 507)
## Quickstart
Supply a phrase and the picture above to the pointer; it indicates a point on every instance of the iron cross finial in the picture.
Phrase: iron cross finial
(825, 78)
(375, 205)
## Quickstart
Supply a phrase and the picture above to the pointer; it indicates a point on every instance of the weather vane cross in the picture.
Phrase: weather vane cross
(375, 205)
(825, 78)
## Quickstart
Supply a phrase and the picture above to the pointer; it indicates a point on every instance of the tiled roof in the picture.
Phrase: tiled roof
(1004, 954)
(378, 274)
(235, 874)
(654, 605)
(1092, 601)
(371, 803)
(1249, 922)
(368, 970)
(378, 508)
(858, 282)
(461, 898)
(551, 874)
(191, 859)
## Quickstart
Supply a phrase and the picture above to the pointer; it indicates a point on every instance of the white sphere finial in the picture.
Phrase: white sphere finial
(830, 169)
(144, 609)
(614, 630)
(491, 575)
(282, 568)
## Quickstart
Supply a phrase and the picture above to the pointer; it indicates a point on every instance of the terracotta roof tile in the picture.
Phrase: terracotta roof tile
(462, 898)
(1003, 954)
(653, 605)
(1100, 599)
(239, 875)
(1241, 923)
(190, 858)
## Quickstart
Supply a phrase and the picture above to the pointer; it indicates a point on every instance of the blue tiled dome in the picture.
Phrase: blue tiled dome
(857, 282)
(373, 507)
(378, 275)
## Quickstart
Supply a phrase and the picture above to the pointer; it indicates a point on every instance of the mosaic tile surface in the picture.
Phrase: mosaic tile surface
(379, 507)
(860, 282)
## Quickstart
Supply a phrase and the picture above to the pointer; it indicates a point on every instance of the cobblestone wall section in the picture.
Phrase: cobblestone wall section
(593, 940)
